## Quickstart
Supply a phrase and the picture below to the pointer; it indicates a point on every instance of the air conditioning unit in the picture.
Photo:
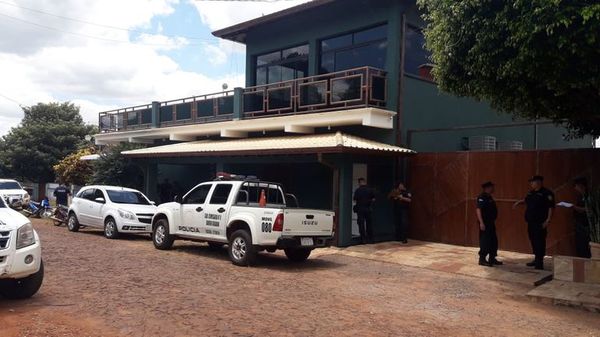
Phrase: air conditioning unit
(510, 145)
(482, 143)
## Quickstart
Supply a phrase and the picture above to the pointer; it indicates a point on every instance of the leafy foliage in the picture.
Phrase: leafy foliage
(115, 169)
(48, 133)
(74, 171)
(531, 58)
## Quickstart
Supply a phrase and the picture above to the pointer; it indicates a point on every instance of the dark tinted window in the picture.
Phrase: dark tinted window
(415, 53)
(9, 185)
(363, 48)
(87, 194)
(220, 194)
(282, 65)
(127, 197)
(198, 195)
(98, 194)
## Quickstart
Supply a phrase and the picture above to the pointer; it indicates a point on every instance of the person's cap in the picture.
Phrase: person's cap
(536, 178)
(487, 184)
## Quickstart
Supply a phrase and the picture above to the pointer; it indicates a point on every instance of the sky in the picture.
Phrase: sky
(106, 54)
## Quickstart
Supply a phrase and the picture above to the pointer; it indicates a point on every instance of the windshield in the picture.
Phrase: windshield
(10, 185)
(127, 197)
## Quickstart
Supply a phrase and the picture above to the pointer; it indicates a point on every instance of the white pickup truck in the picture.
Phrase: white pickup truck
(246, 214)
(21, 267)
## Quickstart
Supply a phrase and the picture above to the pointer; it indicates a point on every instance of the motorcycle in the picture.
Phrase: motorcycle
(37, 210)
(60, 215)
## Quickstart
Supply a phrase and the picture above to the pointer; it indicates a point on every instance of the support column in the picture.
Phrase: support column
(313, 57)
(345, 204)
(238, 103)
(155, 114)
(151, 181)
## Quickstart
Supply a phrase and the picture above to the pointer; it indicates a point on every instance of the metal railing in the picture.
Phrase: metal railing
(354, 88)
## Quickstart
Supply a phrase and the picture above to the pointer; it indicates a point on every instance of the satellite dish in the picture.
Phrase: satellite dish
(225, 86)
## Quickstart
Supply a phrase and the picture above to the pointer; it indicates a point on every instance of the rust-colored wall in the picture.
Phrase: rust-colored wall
(446, 184)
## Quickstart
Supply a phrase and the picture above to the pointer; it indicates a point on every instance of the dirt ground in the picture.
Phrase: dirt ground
(99, 287)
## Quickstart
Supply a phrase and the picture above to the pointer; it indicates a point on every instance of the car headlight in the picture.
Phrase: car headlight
(126, 214)
(25, 236)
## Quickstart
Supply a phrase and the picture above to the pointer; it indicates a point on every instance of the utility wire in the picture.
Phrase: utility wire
(10, 99)
(98, 24)
(91, 36)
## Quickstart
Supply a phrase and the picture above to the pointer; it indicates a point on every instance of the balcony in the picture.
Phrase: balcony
(364, 87)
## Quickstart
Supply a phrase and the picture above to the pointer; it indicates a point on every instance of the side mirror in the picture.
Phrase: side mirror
(100, 200)
(152, 202)
(177, 199)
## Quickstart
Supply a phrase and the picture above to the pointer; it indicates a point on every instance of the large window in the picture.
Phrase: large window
(415, 54)
(363, 48)
(282, 65)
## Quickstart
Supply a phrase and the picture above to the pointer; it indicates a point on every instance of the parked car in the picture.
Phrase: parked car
(13, 193)
(248, 215)
(21, 266)
(112, 208)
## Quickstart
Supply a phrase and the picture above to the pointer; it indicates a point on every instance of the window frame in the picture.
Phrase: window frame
(214, 190)
(352, 46)
(419, 30)
(186, 197)
(280, 62)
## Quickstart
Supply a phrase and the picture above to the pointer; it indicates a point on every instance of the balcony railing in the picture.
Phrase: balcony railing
(355, 88)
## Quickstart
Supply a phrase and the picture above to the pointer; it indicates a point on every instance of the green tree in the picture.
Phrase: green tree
(48, 132)
(73, 170)
(531, 58)
(112, 168)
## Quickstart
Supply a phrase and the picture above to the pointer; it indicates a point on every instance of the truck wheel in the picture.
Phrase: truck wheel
(73, 223)
(241, 250)
(160, 235)
(110, 229)
(297, 254)
(24, 287)
(215, 245)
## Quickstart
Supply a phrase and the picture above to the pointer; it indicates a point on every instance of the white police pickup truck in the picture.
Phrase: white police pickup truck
(246, 214)
(21, 266)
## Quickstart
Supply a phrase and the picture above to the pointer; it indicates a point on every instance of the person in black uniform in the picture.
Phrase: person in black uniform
(401, 199)
(487, 213)
(582, 225)
(364, 198)
(62, 193)
(540, 205)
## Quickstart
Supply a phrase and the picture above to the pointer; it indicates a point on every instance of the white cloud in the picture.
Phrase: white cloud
(43, 65)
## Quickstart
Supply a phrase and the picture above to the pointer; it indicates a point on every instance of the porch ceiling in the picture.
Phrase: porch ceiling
(301, 123)
(323, 143)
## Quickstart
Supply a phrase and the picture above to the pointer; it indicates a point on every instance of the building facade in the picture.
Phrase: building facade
(335, 90)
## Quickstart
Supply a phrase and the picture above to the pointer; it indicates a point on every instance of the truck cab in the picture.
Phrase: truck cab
(248, 215)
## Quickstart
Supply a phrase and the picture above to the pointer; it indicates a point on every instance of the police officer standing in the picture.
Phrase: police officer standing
(401, 199)
(62, 194)
(364, 198)
(540, 205)
(582, 225)
(487, 213)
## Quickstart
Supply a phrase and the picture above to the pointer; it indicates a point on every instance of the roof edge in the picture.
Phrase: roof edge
(230, 33)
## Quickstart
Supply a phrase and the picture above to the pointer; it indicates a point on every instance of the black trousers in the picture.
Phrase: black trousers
(582, 241)
(364, 225)
(488, 241)
(537, 237)
(401, 222)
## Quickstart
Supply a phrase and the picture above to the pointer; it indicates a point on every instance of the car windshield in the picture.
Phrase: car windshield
(10, 185)
(127, 197)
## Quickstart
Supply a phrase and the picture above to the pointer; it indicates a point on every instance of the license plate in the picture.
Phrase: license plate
(306, 241)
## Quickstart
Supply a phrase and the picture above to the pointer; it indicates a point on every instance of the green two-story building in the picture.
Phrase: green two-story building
(335, 90)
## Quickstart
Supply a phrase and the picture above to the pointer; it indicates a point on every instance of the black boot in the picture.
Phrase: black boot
(495, 262)
(531, 264)
(484, 262)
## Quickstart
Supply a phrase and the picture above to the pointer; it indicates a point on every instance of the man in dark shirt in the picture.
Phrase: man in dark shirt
(487, 213)
(540, 205)
(364, 198)
(401, 199)
(582, 225)
(62, 193)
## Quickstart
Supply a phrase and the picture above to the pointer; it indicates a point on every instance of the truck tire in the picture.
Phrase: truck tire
(241, 250)
(111, 231)
(160, 235)
(24, 287)
(297, 254)
(73, 223)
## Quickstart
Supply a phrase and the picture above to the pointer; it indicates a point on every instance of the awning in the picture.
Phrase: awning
(288, 145)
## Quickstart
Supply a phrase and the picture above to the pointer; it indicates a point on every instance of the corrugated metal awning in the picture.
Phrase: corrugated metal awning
(324, 143)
